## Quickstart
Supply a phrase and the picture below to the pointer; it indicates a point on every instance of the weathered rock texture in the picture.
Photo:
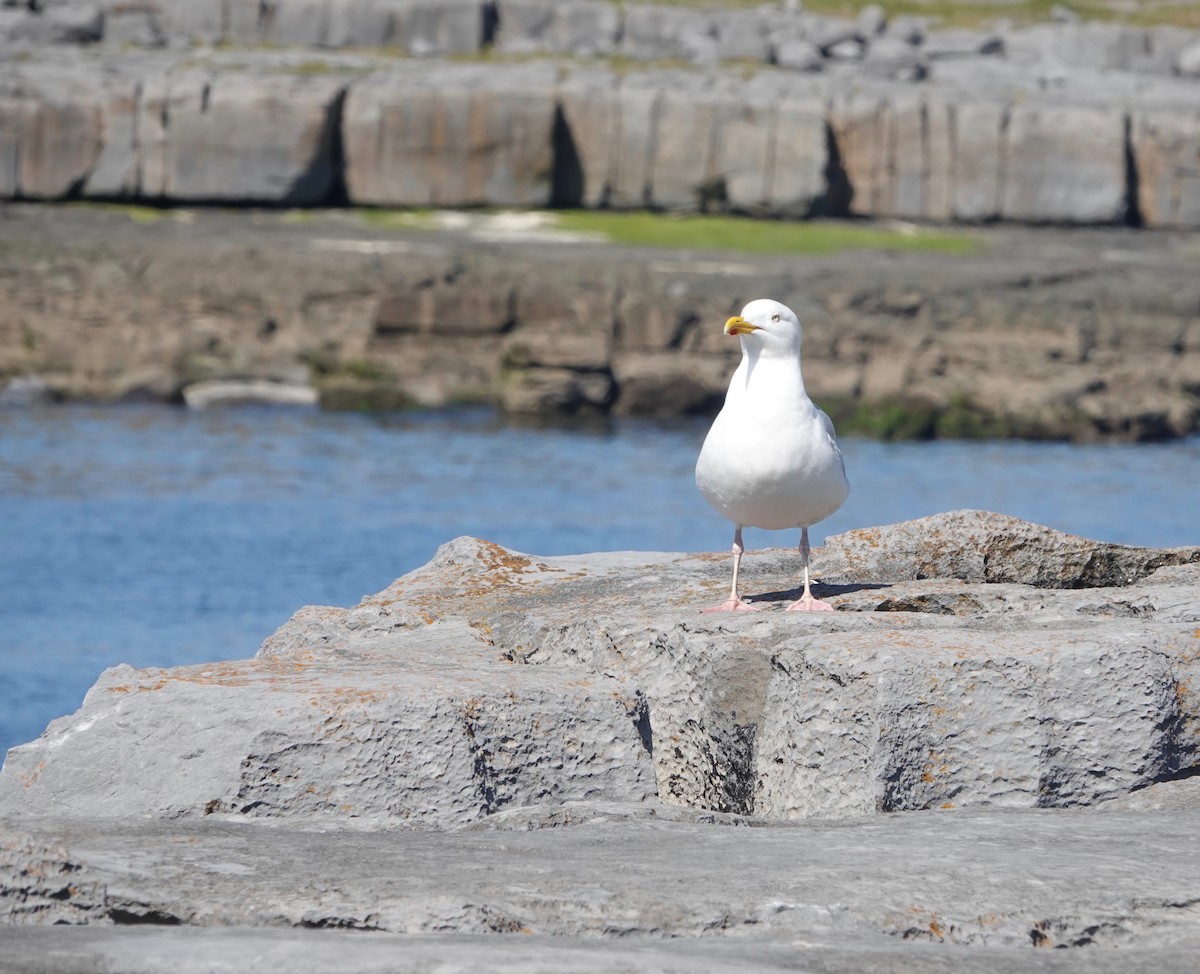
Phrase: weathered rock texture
(1021, 668)
(1063, 124)
(974, 891)
(1077, 335)
(564, 748)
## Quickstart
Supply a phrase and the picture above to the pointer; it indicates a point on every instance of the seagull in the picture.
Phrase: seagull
(771, 459)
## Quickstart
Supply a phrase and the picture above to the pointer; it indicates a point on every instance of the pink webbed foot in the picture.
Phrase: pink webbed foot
(806, 603)
(733, 605)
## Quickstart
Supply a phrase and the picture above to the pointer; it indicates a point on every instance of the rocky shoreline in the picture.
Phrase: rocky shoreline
(773, 112)
(1080, 335)
(990, 747)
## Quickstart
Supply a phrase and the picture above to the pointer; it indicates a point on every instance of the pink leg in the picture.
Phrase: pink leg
(806, 602)
(735, 603)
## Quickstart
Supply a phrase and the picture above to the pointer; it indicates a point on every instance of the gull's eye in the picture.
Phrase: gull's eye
(774, 317)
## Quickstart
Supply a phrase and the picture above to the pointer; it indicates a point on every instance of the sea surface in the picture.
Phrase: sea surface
(156, 536)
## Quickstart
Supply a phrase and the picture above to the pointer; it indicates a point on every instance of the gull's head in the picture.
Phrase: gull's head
(768, 325)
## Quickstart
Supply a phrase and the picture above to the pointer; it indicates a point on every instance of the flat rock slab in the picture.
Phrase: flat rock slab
(980, 879)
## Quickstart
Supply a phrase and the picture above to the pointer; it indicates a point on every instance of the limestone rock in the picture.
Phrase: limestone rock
(583, 28)
(1064, 163)
(53, 128)
(1187, 63)
(337, 729)
(890, 57)
(470, 751)
(743, 35)
(202, 395)
(538, 390)
(405, 144)
(1166, 147)
(134, 25)
(976, 660)
(706, 896)
(1050, 333)
(959, 43)
(436, 28)
(59, 23)
(654, 32)
(799, 55)
(235, 136)
(976, 546)
(665, 385)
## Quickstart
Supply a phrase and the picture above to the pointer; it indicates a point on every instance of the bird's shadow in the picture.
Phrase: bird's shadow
(820, 589)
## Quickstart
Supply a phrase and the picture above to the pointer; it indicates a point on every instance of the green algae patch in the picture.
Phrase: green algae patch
(749, 235)
(959, 419)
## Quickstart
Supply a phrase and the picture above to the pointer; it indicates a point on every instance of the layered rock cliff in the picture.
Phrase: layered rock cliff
(1072, 335)
(771, 111)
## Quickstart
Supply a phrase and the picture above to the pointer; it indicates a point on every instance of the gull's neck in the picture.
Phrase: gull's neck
(780, 373)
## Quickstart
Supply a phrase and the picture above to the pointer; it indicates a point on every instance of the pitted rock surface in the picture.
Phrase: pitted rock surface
(944, 774)
(490, 679)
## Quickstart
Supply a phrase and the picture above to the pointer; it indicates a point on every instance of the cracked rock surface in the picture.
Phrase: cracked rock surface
(991, 744)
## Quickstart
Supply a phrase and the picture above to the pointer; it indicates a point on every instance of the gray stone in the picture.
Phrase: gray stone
(857, 122)
(115, 170)
(973, 662)
(204, 395)
(799, 55)
(238, 136)
(1166, 44)
(210, 21)
(890, 57)
(828, 32)
(1187, 62)
(743, 35)
(1064, 164)
(65, 23)
(801, 156)
(454, 138)
(52, 133)
(539, 390)
(960, 43)
(361, 23)
(590, 128)
(682, 174)
(661, 385)
(459, 735)
(658, 33)
(133, 24)
(975, 546)
(871, 21)
(632, 166)
(435, 28)
(1166, 151)
(743, 143)
(1086, 45)
(584, 28)
(850, 49)
(978, 153)
(930, 892)
(295, 23)
(911, 30)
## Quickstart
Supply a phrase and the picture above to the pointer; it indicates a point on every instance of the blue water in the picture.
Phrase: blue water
(156, 536)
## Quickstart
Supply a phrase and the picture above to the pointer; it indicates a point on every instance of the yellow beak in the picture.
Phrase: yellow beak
(737, 325)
